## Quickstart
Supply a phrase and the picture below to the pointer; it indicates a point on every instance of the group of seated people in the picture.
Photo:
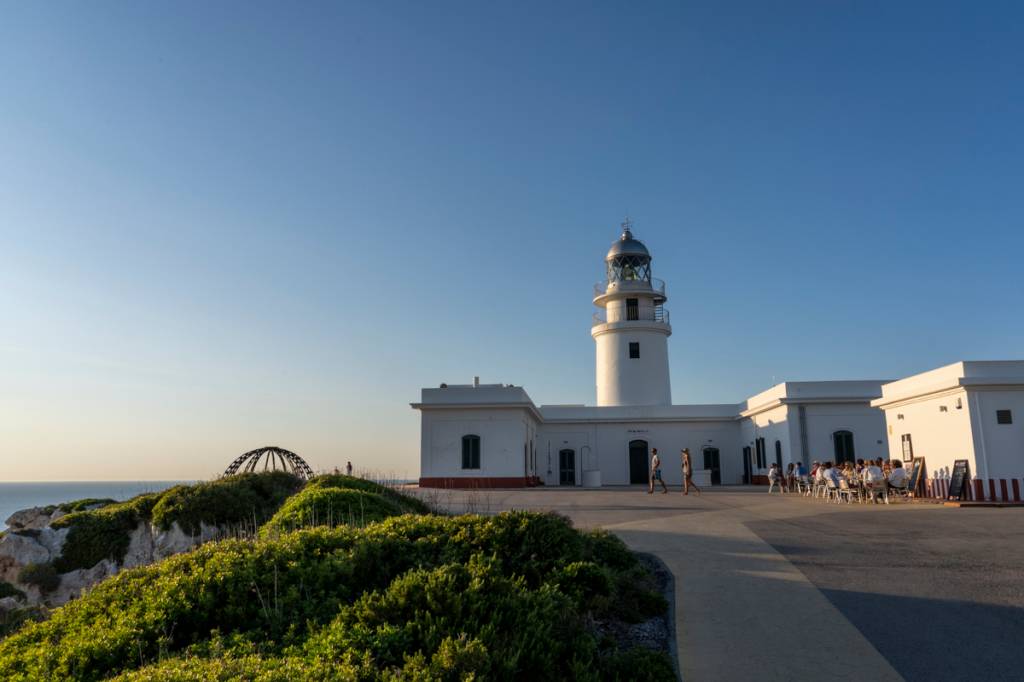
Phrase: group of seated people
(872, 477)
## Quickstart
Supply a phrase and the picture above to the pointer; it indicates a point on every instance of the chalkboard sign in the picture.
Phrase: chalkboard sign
(959, 480)
(916, 474)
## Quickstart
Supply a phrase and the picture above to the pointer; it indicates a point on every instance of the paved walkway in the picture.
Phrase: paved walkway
(790, 588)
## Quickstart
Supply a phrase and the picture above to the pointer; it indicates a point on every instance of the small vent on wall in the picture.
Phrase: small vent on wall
(943, 408)
(899, 416)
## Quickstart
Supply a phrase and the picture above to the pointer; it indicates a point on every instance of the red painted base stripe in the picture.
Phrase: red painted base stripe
(477, 482)
(1002, 490)
(1016, 490)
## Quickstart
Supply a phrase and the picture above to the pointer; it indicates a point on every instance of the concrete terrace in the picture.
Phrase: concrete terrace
(790, 588)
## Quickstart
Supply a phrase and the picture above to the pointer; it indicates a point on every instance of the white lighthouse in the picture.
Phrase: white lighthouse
(632, 330)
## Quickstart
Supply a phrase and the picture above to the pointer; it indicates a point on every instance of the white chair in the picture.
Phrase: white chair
(847, 493)
(831, 491)
(876, 488)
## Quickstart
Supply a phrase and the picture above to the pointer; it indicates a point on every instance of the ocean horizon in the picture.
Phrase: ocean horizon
(23, 495)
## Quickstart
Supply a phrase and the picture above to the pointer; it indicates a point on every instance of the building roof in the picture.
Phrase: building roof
(963, 374)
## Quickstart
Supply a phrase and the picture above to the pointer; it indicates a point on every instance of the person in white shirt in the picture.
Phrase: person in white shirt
(898, 476)
(874, 479)
(656, 474)
(774, 478)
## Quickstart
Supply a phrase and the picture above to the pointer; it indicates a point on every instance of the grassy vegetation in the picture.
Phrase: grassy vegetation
(422, 597)
(101, 533)
(407, 503)
(330, 507)
(249, 499)
(105, 533)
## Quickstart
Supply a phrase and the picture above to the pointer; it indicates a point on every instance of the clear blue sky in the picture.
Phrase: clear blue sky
(224, 225)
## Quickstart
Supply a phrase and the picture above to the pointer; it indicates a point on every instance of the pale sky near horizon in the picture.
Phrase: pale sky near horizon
(228, 225)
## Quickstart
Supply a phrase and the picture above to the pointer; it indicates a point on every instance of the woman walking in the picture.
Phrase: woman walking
(688, 473)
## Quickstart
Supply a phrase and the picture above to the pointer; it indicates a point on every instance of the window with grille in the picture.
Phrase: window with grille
(908, 447)
(471, 452)
(632, 309)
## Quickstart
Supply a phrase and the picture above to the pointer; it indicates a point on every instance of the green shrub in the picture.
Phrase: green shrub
(11, 621)
(9, 590)
(408, 503)
(330, 507)
(101, 534)
(43, 576)
(637, 665)
(424, 597)
(243, 499)
(83, 504)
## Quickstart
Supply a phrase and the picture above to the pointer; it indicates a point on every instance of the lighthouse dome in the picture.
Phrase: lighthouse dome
(627, 245)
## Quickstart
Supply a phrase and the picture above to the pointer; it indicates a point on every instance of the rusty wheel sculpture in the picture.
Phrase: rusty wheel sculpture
(273, 459)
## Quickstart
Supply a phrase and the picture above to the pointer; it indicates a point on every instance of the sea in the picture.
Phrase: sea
(15, 496)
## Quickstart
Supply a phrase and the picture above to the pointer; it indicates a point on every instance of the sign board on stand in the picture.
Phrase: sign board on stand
(916, 480)
(959, 480)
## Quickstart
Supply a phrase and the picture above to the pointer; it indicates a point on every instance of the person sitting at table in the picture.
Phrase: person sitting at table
(831, 473)
(874, 479)
(898, 475)
(860, 466)
(799, 471)
(790, 475)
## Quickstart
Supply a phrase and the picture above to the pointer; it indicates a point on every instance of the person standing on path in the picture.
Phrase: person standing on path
(348, 469)
(688, 473)
(656, 474)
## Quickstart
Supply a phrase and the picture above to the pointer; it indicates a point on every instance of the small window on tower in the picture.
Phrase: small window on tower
(632, 309)
(634, 350)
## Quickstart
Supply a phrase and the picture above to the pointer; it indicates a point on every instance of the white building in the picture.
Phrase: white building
(494, 435)
(967, 410)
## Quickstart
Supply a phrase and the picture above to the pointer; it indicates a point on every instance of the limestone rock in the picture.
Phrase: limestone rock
(33, 518)
(23, 549)
(140, 547)
(73, 582)
(10, 604)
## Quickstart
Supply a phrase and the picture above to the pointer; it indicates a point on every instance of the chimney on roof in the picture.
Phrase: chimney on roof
(476, 382)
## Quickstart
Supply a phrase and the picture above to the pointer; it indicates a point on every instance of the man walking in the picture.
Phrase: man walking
(656, 474)
(348, 469)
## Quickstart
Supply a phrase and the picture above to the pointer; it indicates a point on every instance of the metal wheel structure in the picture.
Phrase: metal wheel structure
(273, 459)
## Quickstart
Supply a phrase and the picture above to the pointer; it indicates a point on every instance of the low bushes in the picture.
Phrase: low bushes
(243, 499)
(105, 533)
(330, 507)
(101, 534)
(43, 576)
(408, 503)
(425, 597)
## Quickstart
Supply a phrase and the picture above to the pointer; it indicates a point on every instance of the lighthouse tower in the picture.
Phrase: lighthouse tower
(632, 330)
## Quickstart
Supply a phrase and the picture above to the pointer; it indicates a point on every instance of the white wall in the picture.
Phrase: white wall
(998, 448)
(503, 433)
(609, 444)
(865, 422)
(939, 436)
(622, 380)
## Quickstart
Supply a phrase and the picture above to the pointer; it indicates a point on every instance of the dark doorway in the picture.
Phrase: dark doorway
(713, 463)
(567, 467)
(746, 465)
(778, 453)
(638, 461)
(843, 442)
